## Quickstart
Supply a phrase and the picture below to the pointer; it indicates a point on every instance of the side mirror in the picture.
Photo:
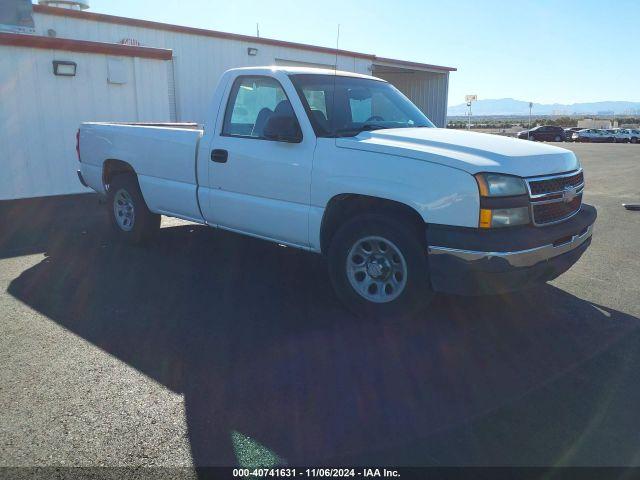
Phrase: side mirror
(282, 128)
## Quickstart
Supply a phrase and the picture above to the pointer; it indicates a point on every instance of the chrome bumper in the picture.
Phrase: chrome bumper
(521, 258)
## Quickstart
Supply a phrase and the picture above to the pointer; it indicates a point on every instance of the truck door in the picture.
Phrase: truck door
(259, 184)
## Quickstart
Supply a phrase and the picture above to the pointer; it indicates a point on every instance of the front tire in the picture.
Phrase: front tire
(131, 219)
(378, 267)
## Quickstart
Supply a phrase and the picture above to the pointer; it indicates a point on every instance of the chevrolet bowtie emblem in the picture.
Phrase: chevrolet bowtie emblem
(569, 194)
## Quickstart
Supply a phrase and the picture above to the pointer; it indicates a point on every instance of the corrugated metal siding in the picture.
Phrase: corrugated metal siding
(427, 90)
(171, 85)
(283, 62)
(40, 113)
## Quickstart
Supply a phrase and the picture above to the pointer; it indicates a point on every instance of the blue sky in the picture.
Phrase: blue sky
(543, 51)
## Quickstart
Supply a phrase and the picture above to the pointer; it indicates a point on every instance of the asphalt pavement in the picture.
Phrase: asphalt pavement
(209, 348)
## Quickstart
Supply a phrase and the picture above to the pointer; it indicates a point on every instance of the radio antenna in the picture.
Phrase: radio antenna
(335, 76)
(335, 66)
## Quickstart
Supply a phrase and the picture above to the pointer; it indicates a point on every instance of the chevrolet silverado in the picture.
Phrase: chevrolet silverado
(344, 165)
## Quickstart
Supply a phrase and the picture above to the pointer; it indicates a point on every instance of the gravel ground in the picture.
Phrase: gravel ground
(208, 348)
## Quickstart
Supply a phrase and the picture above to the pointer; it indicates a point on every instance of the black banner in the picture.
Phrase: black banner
(406, 473)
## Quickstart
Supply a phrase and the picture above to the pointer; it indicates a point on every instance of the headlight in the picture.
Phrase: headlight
(503, 217)
(496, 185)
(504, 200)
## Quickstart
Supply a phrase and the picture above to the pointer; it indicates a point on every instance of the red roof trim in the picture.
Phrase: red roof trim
(34, 41)
(101, 17)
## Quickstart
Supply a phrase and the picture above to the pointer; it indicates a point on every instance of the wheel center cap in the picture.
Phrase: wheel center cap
(378, 268)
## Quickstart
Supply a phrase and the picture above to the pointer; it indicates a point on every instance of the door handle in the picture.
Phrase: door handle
(219, 156)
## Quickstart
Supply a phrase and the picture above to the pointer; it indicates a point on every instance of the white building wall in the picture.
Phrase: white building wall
(597, 123)
(40, 113)
(199, 60)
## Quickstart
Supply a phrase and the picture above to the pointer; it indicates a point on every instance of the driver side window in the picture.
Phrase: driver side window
(252, 102)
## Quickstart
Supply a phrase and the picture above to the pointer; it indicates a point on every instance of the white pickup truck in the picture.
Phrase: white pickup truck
(345, 165)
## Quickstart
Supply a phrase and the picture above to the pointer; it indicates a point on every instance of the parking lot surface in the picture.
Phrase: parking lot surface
(210, 348)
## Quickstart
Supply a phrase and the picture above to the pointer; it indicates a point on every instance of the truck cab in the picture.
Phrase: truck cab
(346, 166)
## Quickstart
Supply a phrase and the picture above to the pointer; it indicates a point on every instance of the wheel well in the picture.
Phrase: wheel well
(346, 206)
(113, 167)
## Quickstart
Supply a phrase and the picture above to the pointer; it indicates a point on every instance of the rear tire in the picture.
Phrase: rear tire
(131, 219)
(379, 268)
(633, 140)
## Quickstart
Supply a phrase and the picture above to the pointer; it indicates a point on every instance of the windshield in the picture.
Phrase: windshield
(360, 104)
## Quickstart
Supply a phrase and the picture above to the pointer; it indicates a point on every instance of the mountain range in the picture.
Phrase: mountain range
(510, 106)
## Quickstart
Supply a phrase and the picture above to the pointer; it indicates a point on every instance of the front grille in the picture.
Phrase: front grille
(556, 211)
(556, 184)
(549, 195)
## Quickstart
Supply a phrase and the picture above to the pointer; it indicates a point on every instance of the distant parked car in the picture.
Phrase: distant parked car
(627, 135)
(620, 135)
(593, 135)
(568, 133)
(545, 133)
(615, 134)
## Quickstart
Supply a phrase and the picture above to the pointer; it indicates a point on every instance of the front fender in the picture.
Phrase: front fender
(439, 194)
(452, 202)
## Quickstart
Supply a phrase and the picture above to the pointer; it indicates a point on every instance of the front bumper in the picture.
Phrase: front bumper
(470, 261)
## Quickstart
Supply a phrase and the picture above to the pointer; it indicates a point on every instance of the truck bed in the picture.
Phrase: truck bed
(163, 156)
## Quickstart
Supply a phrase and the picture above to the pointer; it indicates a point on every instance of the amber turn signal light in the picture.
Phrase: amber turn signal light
(485, 218)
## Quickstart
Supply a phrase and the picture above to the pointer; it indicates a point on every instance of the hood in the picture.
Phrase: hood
(469, 151)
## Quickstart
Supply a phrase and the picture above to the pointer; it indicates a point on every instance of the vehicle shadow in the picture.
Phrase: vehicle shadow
(252, 336)
(32, 225)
